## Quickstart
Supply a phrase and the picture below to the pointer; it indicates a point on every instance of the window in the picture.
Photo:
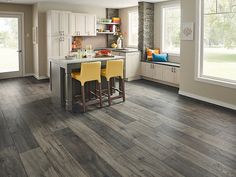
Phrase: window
(217, 42)
(133, 29)
(171, 29)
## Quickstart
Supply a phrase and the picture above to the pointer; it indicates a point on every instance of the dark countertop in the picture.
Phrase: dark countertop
(164, 63)
(124, 50)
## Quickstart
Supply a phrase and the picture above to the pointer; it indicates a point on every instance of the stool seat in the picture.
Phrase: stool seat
(103, 72)
(90, 71)
(75, 75)
(114, 68)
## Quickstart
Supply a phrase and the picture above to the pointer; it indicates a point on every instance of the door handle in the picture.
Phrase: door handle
(19, 51)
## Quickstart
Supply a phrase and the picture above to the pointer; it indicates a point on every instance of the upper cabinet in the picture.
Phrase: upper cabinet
(83, 24)
(58, 23)
(91, 25)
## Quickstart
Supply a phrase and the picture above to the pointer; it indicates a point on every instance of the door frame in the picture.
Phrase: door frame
(21, 41)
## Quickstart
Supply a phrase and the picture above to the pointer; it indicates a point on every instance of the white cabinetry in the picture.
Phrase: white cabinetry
(159, 72)
(83, 24)
(147, 69)
(59, 46)
(132, 64)
(58, 34)
(58, 23)
(171, 74)
(91, 25)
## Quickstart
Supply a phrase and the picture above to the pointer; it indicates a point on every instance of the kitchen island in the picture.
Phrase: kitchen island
(61, 80)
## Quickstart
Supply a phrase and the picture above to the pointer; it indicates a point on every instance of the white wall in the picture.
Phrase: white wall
(158, 26)
(43, 7)
(27, 10)
(124, 15)
(35, 46)
(188, 85)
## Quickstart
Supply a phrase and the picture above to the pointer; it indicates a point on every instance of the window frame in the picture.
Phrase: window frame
(199, 49)
(175, 4)
(129, 28)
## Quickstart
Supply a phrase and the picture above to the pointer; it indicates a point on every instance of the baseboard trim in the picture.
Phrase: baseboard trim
(133, 78)
(208, 100)
(28, 74)
(40, 77)
(159, 81)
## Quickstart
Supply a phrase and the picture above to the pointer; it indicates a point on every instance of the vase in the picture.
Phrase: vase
(119, 43)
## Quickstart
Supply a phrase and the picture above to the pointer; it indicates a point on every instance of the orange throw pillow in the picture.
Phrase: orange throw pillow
(150, 52)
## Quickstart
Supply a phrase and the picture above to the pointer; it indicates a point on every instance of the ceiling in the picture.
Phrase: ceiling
(100, 3)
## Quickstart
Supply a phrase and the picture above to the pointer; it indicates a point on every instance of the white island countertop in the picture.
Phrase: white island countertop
(63, 61)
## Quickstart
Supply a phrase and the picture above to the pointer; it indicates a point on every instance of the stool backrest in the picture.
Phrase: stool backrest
(90, 72)
(115, 68)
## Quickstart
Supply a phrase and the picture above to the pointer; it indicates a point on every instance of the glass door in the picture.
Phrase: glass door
(10, 45)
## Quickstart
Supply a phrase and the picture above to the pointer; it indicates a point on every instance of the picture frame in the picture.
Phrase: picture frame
(187, 31)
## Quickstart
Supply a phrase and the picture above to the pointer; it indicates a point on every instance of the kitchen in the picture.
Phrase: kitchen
(116, 88)
(66, 33)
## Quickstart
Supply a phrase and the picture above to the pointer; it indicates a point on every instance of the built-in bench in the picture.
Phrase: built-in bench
(163, 72)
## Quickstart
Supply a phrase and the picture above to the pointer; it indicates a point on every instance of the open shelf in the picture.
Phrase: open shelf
(105, 32)
(105, 23)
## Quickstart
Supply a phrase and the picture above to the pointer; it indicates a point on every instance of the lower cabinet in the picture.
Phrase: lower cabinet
(159, 72)
(132, 64)
(57, 46)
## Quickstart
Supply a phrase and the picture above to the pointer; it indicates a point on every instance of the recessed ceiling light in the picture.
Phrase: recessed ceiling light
(9, 0)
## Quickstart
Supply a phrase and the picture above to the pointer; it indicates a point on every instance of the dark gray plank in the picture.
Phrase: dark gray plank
(207, 149)
(122, 117)
(186, 167)
(176, 113)
(148, 163)
(5, 139)
(3, 123)
(111, 136)
(93, 164)
(10, 163)
(21, 134)
(37, 165)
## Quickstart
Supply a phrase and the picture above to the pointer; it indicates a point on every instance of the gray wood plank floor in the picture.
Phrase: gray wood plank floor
(155, 133)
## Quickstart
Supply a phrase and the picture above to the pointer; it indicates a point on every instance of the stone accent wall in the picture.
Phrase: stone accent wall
(110, 13)
(146, 27)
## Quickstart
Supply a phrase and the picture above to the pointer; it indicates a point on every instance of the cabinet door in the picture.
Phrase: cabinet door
(168, 74)
(55, 46)
(73, 24)
(64, 23)
(176, 75)
(65, 46)
(91, 25)
(147, 69)
(158, 72)
(55, 23)
(132, 65)
(80, 24)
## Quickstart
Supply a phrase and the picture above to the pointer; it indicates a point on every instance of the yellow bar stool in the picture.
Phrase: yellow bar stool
(114, 68)
(89, 72)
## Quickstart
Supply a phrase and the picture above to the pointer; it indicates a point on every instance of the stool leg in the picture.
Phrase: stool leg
(109, 92)
(83, 98)
(112, 84)
(120, 85)
(100, 94)
(89, 89)
(123, 89)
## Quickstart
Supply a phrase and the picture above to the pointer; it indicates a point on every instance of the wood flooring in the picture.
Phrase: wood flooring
(155, 133)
